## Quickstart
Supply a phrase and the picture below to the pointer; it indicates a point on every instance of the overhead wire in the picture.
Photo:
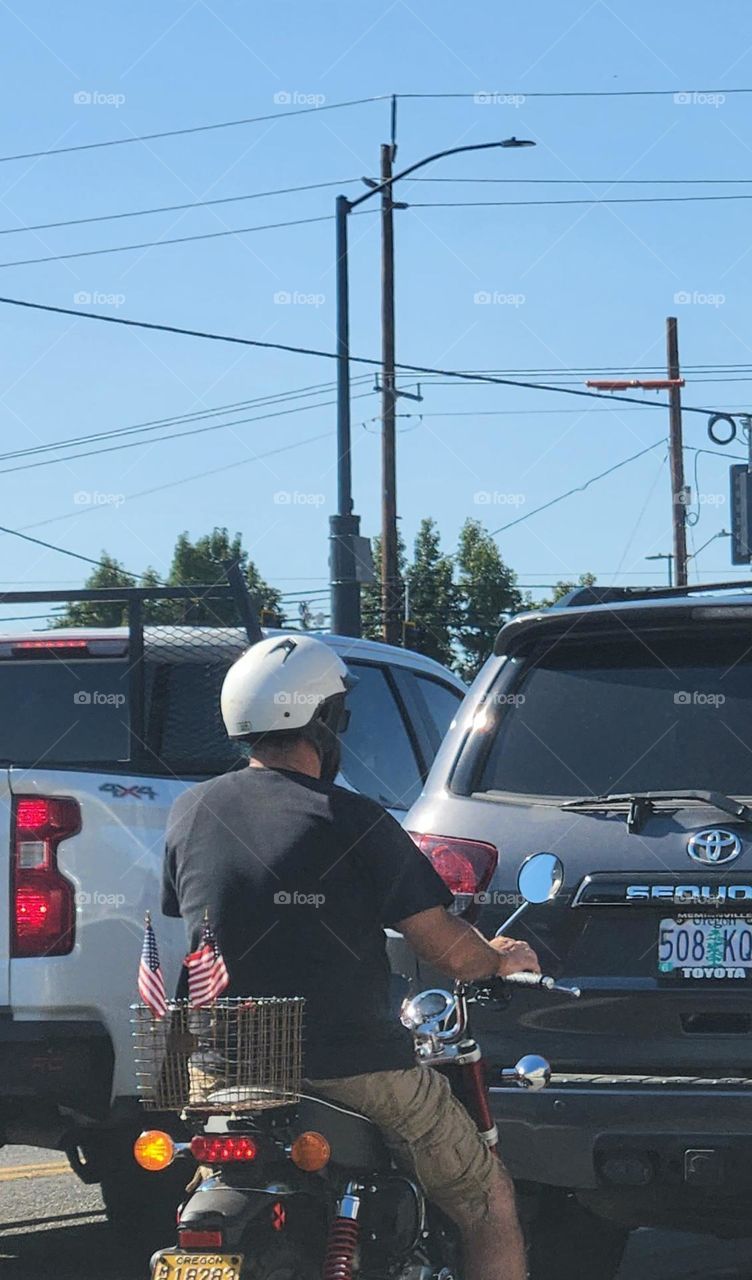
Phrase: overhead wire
(371, 361)
(199, 128)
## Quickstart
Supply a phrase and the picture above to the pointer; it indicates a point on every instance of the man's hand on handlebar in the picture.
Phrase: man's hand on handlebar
(514, 957)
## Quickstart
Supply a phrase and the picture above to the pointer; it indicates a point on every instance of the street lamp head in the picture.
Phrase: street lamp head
(517, 142)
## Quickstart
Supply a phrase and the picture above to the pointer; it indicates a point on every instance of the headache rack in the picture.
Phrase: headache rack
(190, 623)
(235, 1055)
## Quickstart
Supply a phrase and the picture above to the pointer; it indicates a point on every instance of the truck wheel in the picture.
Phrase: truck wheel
(567, 1242)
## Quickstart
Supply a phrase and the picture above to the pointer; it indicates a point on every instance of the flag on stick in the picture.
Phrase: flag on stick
(151, 987)
(207, 971)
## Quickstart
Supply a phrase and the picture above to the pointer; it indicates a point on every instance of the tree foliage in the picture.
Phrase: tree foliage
(433, 596)
(488, 594)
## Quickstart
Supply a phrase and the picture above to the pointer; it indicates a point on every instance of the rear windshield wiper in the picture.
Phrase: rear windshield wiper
(641, 804)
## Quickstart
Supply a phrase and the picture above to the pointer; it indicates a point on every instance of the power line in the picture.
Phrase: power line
(316, 389)
(264, 345)
(177, 435)
(580, 488)
(531, 204)
(594, 182)
(155, 244)
(199, 128)
(581, 93)
(176, 208)
(201, 475)
(426, 204)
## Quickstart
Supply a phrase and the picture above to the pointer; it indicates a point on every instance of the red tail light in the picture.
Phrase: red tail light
(465, 866)
(223, 1149)
(188, 1239)
(44, 909)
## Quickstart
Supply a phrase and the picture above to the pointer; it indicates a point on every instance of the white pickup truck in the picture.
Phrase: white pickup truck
(100, 730)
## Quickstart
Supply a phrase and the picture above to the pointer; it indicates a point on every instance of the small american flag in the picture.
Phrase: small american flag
(207, 971)
(151, 987)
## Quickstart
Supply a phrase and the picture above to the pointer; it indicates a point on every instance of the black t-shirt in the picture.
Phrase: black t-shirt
(299, 878)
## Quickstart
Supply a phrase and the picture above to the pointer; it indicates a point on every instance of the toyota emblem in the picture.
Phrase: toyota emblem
(714, 846)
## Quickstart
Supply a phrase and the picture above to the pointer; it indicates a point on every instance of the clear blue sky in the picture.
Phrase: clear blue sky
(570, 286)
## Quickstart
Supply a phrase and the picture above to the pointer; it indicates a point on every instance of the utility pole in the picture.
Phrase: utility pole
(390, 585)
(676, 454)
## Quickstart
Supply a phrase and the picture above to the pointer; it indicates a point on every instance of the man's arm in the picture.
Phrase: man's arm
(459, 950)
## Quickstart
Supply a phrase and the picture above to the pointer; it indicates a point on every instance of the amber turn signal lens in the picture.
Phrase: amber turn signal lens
(310, 1151)
(154, 1150)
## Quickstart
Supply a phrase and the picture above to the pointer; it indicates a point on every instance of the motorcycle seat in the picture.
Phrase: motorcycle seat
(355, 1141)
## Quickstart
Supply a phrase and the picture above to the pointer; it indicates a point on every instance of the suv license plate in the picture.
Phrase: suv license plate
(706, 947)
(197, 1266)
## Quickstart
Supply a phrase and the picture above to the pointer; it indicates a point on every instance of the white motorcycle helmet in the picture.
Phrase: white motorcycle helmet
(289, 685)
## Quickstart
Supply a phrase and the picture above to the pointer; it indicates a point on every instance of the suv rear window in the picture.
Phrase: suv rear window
(647, 713)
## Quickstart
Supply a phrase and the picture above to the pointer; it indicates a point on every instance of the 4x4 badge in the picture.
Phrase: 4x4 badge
(714, 846)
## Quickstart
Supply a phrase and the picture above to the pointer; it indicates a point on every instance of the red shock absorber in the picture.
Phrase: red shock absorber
(343, 1238)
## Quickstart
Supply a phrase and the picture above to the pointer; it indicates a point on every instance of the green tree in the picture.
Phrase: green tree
(84, 613)
(488, 594)
(371, 615)
(203, 562)
(433, 596)
(563, 588)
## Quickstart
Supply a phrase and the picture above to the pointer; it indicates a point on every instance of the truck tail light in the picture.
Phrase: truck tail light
(44, 909)
(465, 866)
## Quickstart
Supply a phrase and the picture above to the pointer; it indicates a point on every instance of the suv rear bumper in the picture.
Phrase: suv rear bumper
(61, 1064)
(597, 1132)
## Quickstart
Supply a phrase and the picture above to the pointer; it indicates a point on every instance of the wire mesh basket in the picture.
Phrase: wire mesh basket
(233, 1055)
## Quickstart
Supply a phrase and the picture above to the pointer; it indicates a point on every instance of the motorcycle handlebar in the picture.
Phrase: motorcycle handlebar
(495, 988)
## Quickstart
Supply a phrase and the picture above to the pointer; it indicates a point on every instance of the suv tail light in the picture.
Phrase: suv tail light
(465, 866)
(44, 909)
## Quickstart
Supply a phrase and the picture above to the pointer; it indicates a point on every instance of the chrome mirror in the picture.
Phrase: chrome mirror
(541, 877)
(531, 1072)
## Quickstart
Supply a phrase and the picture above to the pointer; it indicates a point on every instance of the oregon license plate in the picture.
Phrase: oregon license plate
(197, 1266)
(703, 947)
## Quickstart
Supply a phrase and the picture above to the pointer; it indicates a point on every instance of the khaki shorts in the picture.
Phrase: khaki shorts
(429, 1133)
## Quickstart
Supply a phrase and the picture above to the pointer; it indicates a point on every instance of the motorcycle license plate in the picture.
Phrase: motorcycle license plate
(706, 947)
(197, 1266)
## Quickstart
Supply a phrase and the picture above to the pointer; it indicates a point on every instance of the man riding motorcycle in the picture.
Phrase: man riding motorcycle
(299, 878)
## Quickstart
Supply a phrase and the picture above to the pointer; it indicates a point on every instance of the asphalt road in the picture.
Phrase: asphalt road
(52, 1228)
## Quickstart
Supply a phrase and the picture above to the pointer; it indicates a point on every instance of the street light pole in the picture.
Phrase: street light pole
(344, 527)
(668, 557)
(345, 588)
